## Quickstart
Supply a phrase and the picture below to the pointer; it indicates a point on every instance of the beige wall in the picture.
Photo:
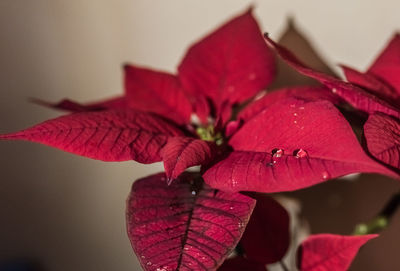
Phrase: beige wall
(68, 211)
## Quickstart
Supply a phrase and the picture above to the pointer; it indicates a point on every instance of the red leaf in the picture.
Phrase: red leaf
(241, 264)
(307, 93)
(182, 152)
(72, 106)
(316, 144)
(112, 135)
(354, 95)
(157, 92)
(326, 252)
(184, 226)
(230, 65)
(370, 83)
(231, 127)
(266, 238)
(387, 65)
(382, 134)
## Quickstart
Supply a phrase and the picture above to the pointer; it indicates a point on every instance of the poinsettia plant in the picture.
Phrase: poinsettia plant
(214, 113)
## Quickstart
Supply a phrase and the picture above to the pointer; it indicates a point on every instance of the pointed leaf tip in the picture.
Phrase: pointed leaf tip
(325, 252)
(109, 135)
(181, 153)
(332, 150)
(232, 64)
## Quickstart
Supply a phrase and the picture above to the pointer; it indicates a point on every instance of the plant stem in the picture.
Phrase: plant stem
(382, 220)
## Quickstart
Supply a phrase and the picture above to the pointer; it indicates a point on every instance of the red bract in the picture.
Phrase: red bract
(267, 237)
(376, 92)
(227, 67)
(314, 141)
(184, 226)
(354, 95)
(382, 80)
(289, 139)
(112, 135)
(326, 252)
(382, 133)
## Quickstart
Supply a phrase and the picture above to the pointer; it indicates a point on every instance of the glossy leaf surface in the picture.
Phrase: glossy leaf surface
(184, 226)
(112, 135)
(315, 144)
(306, 93)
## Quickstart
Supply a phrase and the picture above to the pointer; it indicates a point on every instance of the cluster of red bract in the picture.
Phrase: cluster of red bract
(214, 113)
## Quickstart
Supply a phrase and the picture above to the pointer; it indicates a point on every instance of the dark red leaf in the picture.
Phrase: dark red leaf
(182, 152)
(382, 134)
(316, 144)
(230, 65)
(327, 252)
(72, 106)
(241, 264)
(266, 238)
(387, 65)
(354, 95)
(307, 93)
(112, 135)
(184, 226)
(157, 92)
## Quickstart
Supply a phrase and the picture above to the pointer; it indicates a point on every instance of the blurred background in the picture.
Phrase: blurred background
(66, 212)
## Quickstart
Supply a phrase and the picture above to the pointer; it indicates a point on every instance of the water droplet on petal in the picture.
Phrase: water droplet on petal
(230, 207)
(334, 90)
(194, 192)
(325, 175)
(277, 152)
(295, 114)
(300, 153)
(149, 263)
(301, 107)
(295, 122)
(234, 182)
(143, 257)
